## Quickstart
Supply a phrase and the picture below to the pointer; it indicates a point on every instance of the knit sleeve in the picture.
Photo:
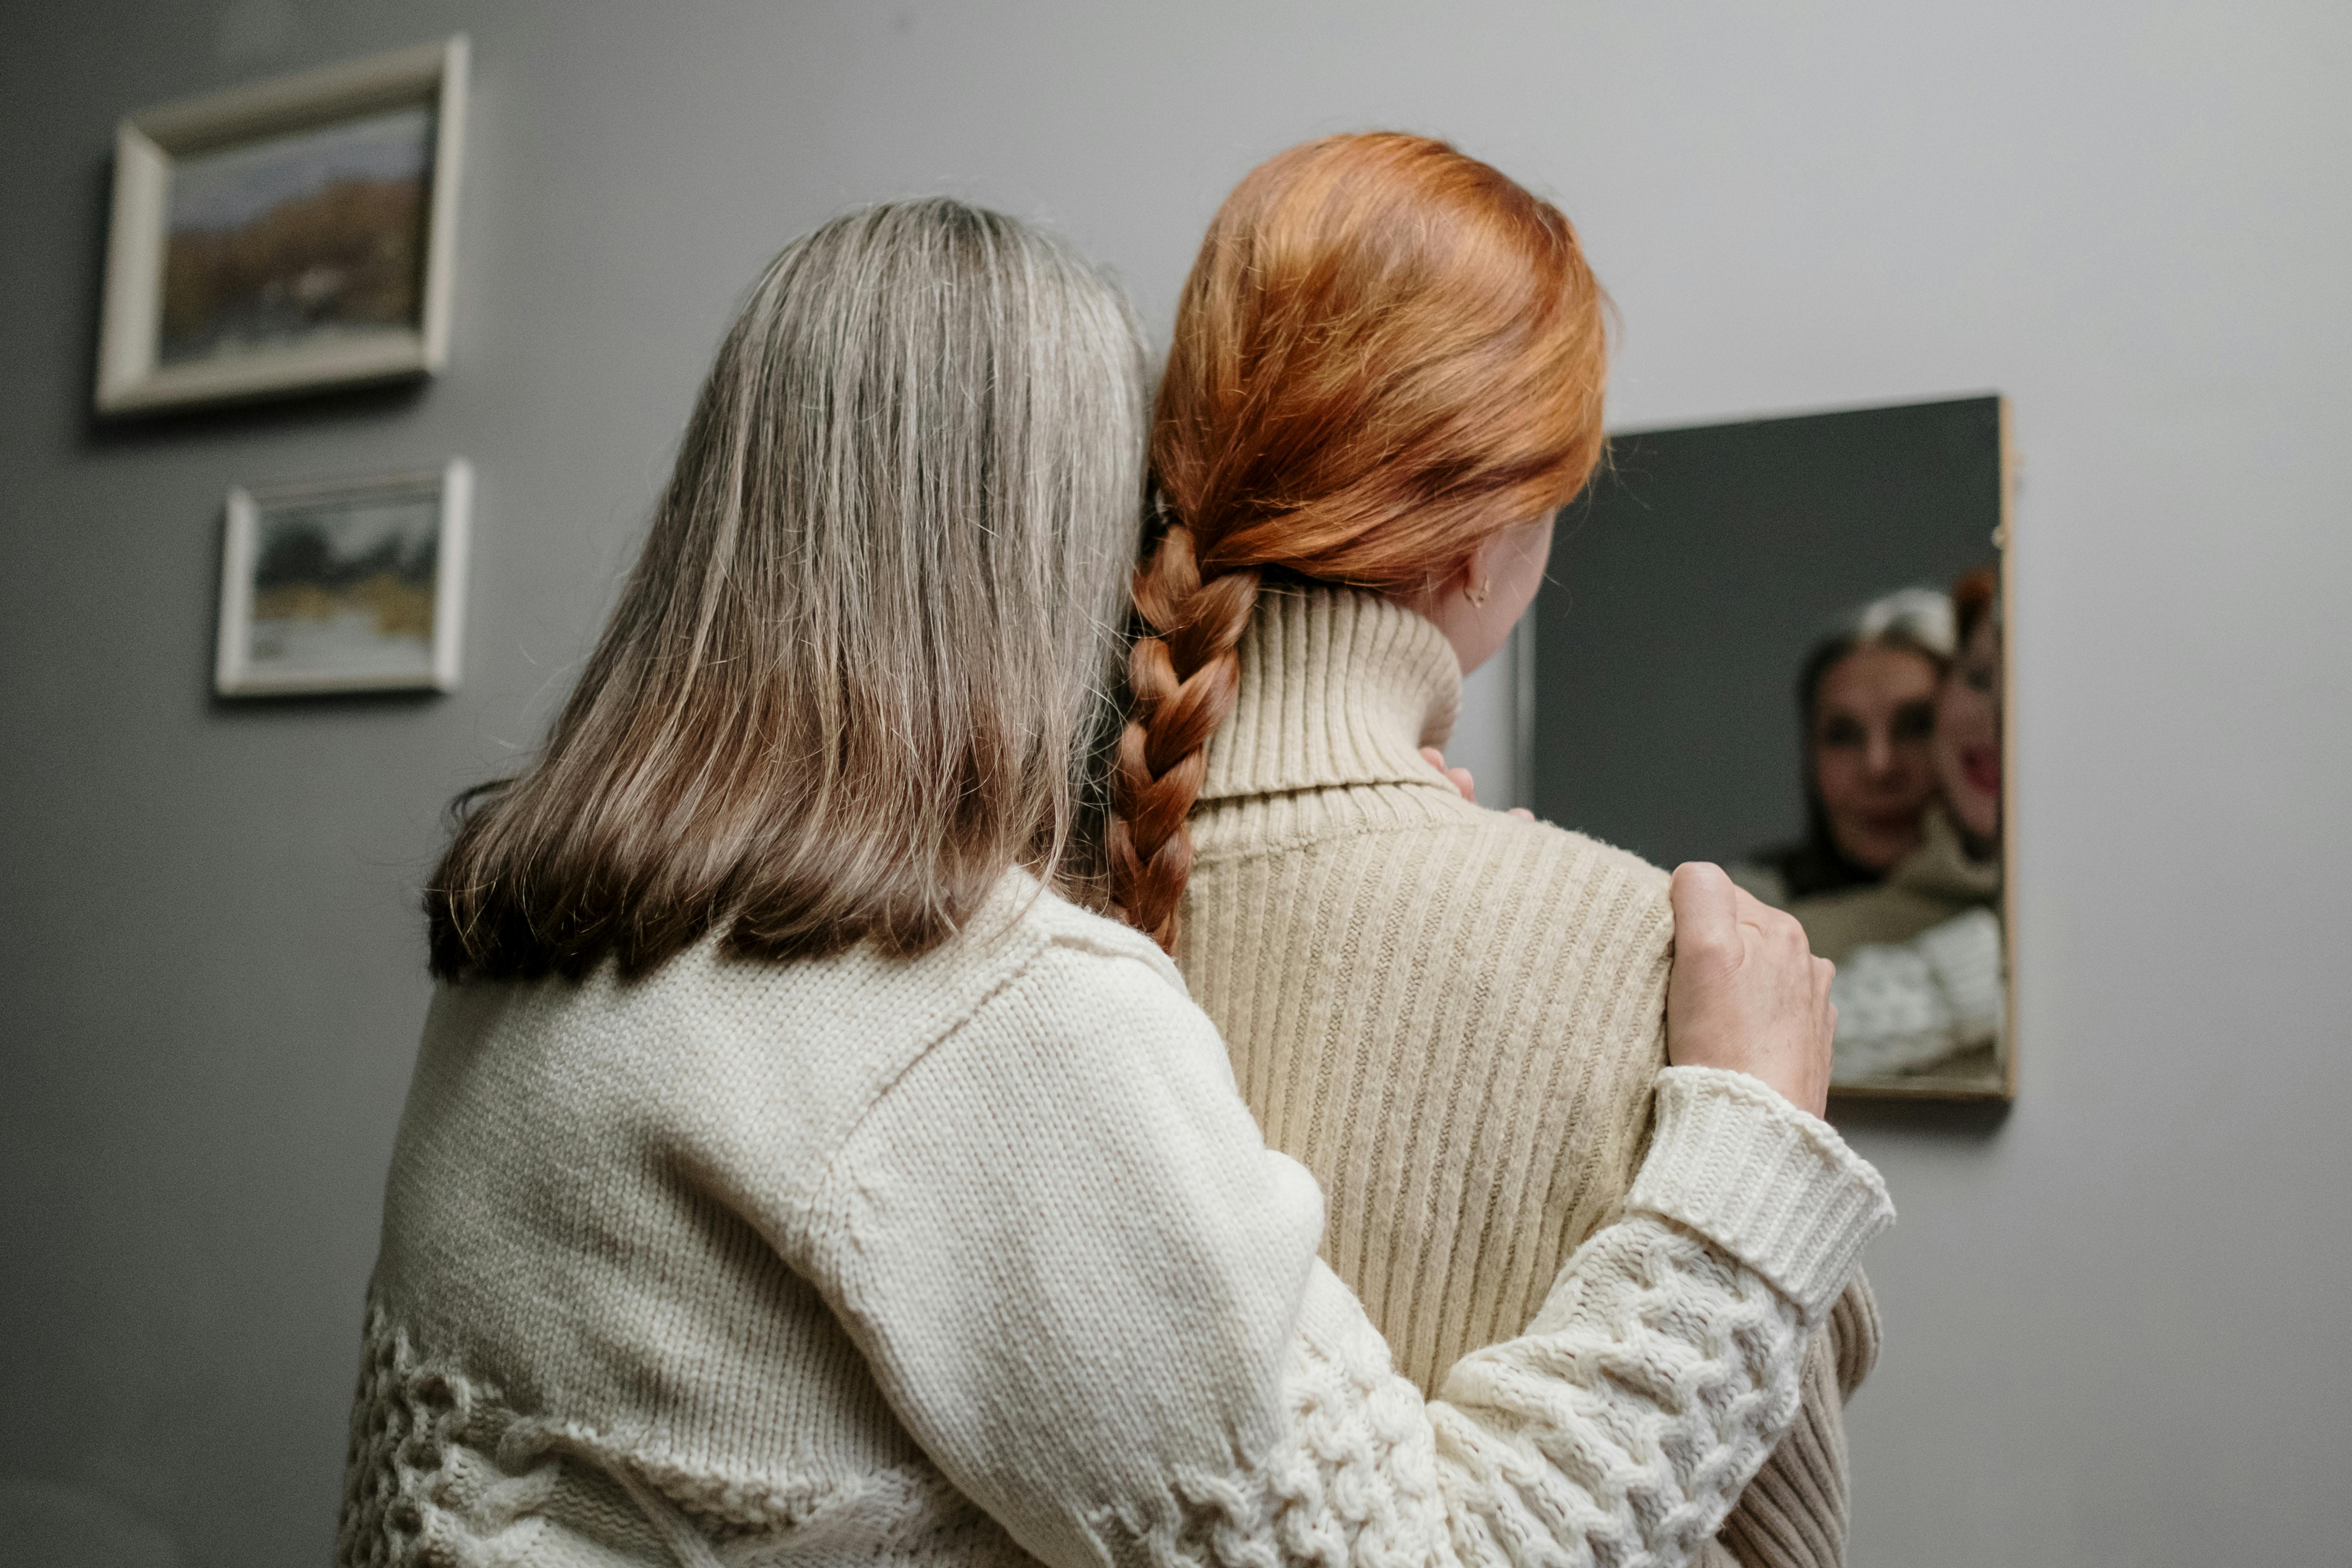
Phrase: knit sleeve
(1905, 1007)
(1794, 1513)
(1091, 1294)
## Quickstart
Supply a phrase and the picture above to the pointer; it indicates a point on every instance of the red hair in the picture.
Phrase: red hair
(1386, 353)
(1972, 598)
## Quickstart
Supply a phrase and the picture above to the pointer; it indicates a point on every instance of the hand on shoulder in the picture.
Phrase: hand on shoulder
(1746, 993)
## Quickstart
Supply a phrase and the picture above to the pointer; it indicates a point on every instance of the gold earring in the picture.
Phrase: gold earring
(1480, 594)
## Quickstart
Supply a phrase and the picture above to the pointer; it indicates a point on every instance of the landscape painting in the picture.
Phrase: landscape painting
(343, 588)
(285, 236)
(316, 234)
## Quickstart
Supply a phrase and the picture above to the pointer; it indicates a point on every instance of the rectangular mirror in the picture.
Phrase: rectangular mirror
(1778, 645)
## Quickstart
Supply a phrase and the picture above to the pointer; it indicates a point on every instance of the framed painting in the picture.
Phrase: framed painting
(285, 236)
(348, 585)
(1780, 645)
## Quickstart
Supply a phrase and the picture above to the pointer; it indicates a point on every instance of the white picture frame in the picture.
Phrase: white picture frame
(345, 584)
(201, 212)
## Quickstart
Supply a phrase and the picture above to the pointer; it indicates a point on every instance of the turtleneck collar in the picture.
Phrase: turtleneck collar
(1337, 686)
(1942, 866)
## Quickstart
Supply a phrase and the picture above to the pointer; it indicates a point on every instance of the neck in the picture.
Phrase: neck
(1338, 688)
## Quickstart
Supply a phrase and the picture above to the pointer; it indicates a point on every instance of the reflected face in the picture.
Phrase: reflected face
(1968, 733)
(1873, 716)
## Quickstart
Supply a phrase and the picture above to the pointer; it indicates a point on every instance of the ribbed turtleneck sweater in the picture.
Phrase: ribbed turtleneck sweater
(1453, 1019)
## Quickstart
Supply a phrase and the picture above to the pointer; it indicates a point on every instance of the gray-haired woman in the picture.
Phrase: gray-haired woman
(795, 1171)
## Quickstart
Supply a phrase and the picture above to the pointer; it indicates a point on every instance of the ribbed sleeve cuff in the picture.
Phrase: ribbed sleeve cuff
(1774, 1187)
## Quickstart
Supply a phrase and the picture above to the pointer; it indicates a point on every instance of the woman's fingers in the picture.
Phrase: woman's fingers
(1746, 992)
(1465, 784)
(1458, 777)
(1706, 913)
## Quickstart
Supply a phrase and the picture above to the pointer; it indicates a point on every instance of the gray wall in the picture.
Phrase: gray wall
(2117, 1315)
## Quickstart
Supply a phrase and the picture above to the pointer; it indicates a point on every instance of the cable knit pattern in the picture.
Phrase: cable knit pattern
(1454, 1019)
(1908, 1008)
(405, 1419)
(1711, 1391)
(980, 1259)
(1613, 1433)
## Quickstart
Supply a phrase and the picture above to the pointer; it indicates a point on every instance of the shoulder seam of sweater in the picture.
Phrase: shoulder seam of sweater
(1487, 821)
(1012, 972)
(1040, 944)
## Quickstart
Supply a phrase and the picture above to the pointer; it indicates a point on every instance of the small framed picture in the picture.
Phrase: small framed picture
(288, 236)
(354, 585)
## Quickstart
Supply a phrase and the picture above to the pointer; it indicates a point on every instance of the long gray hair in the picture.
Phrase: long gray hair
(865, 663)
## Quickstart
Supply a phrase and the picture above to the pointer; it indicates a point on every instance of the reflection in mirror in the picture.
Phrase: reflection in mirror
(1778, 645)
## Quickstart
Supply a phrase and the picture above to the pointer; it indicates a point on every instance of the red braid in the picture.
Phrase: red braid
(1183, 682)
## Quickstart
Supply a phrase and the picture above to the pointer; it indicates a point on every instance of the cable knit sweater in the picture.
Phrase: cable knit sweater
(980, 1258)
(1453, 1019)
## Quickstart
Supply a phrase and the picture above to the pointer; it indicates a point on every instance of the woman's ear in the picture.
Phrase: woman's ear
(1439, 598)
(1501, 560)
(1476, 604)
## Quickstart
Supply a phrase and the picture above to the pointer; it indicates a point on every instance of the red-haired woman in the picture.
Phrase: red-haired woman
(1387, 375)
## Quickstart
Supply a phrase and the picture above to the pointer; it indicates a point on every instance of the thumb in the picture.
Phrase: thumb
(1706, 911)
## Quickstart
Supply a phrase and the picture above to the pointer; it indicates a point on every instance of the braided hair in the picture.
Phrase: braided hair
(1386, 353)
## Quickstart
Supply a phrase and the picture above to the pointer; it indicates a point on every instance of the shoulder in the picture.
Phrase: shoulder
(1087, 988)
(755, 1072)
(1614, 910)
(874, 998)
(1837, 923)
(1502, 857)
(1762, 878)
(1941, 868)
(1596, 857)
(1083, 942)
(1558, 851)
(1089, 1053)
(1418, 874)
(1088, 992)
(1407, 821)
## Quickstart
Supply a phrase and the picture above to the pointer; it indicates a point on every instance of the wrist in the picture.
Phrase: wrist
(1773, 1185)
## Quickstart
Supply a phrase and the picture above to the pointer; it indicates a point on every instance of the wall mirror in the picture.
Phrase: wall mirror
(1778, 645)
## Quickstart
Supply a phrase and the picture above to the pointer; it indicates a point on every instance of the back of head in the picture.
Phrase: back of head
(1386, 353)
(863, 662)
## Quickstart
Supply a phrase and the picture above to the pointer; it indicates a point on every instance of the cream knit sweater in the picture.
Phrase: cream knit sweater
(980, 1259)
(1453, 1020)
